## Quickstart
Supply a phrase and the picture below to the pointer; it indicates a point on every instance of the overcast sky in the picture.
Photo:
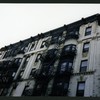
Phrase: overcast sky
(21, 21)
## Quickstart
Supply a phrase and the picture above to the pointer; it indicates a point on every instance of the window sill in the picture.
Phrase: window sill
(84, 73)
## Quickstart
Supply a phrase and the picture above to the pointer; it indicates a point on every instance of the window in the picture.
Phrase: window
(66, 66)
(63, 66)
(70, 47)
(6, 54)
(50, 70)
(70, 64)
(59, 84)
(86, 47)
(25, 62)
(22, 48)
(38, 58)
(20, 75)
(32, 46)
(71, 33)
(67, 48)
(83, 66)
(54, 39)
(88, 30)
(27, 91)
(26, 47)
(77, 32)
(39, 87)
(13, 74)
(60, 38)
(65, 85)
(0, 53)
(43, 44)
(18, 61)
(73, 47)
(32, 72)
(80, 89)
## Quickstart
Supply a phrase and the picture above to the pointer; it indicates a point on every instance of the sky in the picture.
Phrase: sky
(21, 21)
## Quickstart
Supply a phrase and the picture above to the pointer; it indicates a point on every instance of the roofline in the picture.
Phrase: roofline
(68, 26)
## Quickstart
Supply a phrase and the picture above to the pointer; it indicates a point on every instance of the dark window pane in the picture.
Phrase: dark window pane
(65, 85)
(43, 44)
(83, 69)
(86, 47)
(32, 46)
(63, 66)
(83, 66)
(25, 62)
(84, 63)
(59, 84)
(70, 64)
(80, 89)
(88, 30)
(71, 33)
(54, 39)
(37, 58)
(19, 61)
(81, 86)
(67, 48)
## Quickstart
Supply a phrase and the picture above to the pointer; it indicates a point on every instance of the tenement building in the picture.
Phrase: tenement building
(61, 62)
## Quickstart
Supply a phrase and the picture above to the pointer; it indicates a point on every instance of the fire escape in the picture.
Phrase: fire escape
(7, 73)
(43, 75)
(64, 69)
(9, 68)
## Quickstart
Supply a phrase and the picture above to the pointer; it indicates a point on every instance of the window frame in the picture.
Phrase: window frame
(84, 66)
(43, 44)
(86, 49)
(88, 32)
(80, 90)
(66, 67)
(25, 62)
(63, 67)
(37, 58)
(54, 39)
(32, 46)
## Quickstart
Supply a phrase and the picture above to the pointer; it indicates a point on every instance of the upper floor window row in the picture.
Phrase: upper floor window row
(74, 33)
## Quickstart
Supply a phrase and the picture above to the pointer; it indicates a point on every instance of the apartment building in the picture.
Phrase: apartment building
(61, 62)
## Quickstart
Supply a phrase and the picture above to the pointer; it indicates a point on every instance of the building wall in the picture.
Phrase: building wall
(91, 76)
(91, 82)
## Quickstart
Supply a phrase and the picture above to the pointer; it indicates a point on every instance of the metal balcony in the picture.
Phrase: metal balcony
(72, 35)
(69, 50)
(60, 86)
(66, 73)
(5, 65)
(21, 52)
(42, 74)
(5, 81)
(54, 40)
(50, 56)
